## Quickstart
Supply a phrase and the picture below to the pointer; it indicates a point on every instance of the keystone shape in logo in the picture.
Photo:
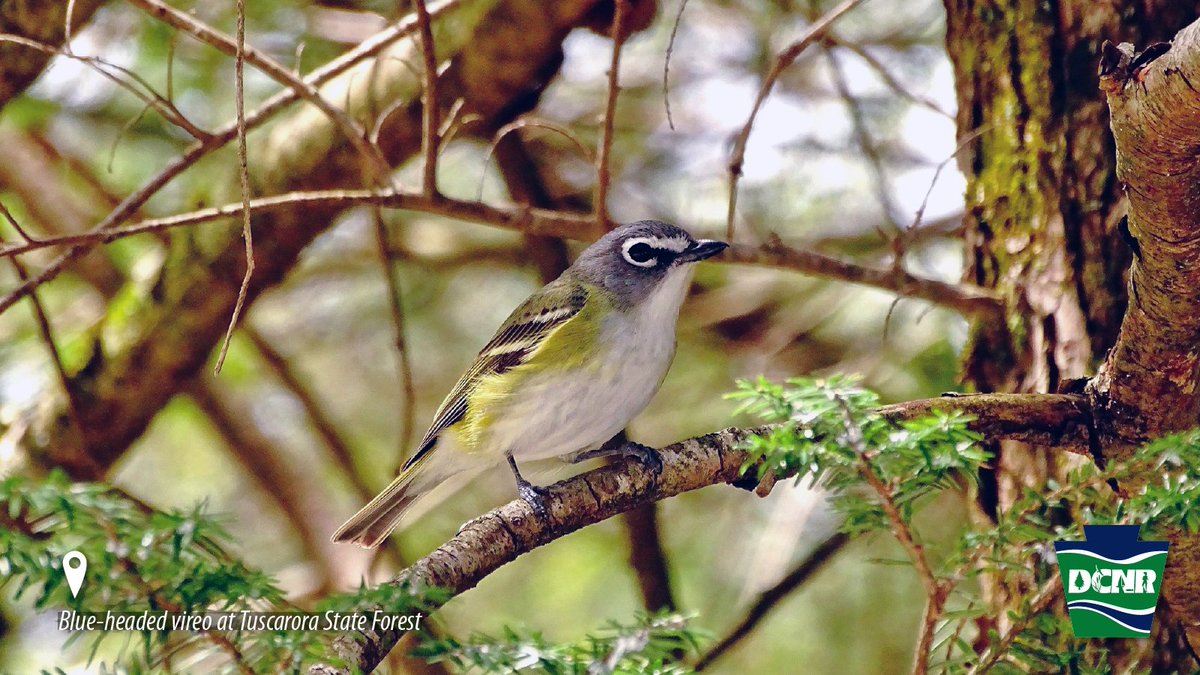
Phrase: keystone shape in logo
(1111, 581)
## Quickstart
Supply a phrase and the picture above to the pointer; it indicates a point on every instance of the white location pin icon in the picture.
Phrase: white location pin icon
(74, 566)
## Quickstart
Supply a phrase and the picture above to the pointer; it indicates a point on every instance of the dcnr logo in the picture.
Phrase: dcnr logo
(1111, 581)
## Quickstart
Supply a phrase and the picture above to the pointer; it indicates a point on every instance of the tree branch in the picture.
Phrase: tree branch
(170, 335)
(1149, 384)
(53, 207)
(322, 423)
(525, 185)
(647, 557)
(1058, 421)
(44, 22)
(967, 299)
(429, 102)
(298, 490)
(496, 538)
(604, 149)
(239, 97)
(766, 602)
(815, 32)
(237, 48)
(378, 43)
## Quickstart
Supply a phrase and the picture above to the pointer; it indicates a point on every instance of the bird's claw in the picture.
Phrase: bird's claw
(535, 497)
(648, 456)
(645, 455)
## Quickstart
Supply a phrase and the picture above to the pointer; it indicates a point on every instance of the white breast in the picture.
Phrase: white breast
(559, 413)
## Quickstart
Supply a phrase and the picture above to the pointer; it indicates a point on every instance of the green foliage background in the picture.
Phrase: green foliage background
(807, 181)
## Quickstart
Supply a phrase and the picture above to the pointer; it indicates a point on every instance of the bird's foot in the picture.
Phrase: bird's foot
(535, 497)
(531, 494)
(647, 456)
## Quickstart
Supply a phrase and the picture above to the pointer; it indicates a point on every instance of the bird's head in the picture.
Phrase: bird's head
(634, 260)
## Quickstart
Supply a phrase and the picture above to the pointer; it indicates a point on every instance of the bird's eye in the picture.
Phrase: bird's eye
(640, 253)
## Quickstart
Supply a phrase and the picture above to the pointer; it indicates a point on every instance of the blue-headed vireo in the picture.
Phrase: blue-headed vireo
(562, 377)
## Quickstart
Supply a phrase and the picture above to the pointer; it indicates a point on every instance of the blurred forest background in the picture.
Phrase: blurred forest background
(316, 405)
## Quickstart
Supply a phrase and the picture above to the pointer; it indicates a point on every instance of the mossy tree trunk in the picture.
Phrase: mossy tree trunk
(1044, 207)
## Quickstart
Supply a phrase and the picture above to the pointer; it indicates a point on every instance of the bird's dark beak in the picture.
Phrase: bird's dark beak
(701, 250)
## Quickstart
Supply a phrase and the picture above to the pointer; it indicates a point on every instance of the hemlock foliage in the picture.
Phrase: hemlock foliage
(144, 559)
(829, 429)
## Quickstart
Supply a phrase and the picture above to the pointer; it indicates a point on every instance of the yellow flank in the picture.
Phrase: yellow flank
(568, 347)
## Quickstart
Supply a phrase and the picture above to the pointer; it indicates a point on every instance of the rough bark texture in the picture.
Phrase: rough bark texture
(1046, 201)
(1049, 421)
(1045, 205)
(1148, 385)
(40, 20)
(497, 538)
(514, 51)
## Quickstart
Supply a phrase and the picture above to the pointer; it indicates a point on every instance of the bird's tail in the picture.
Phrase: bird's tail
(375, 521)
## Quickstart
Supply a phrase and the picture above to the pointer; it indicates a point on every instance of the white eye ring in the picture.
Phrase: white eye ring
(630, 243)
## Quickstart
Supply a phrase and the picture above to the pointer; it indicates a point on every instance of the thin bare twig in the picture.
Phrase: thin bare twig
(239, 95)
(526, 219)
(338, 446)
(8, 216)
(396, 310)
(429, 102)
(146, 94)
(864, 139)
(125, 129)
(43, 322)
(68, 20)
(962, 144)
(964, 298)
(525, 185)
(47, 335)
(521, 123)
(131, 204)
(186, 23)
(889, 80)
(905, 237)
(170, 83)
(771, 597)
(815, 32)
(455, 121)
(667, 63)
(952, 641)
(604, 147)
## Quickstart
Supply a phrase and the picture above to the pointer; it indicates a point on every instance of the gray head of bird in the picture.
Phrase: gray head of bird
(633, 260)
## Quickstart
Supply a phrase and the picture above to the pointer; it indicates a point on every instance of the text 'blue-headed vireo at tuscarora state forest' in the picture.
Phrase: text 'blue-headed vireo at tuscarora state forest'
(564, 375)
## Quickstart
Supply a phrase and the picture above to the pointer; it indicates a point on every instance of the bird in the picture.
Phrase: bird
(563, 375)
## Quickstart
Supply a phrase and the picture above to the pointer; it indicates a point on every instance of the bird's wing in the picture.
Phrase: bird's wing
(526, 329)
